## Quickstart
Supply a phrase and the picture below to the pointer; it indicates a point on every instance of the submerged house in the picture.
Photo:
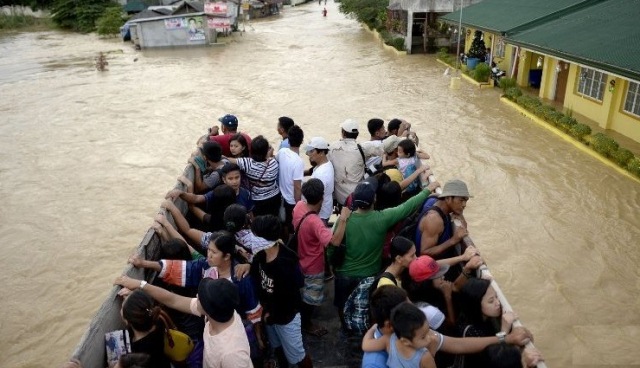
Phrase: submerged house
(190, 24)
(583, 54)
(417, 21)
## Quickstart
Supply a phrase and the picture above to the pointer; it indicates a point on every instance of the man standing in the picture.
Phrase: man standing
(284, 124)
(229, 125)
(377, 131)
(290, 175)
(435, 236)
(322, 169)
(348, 159)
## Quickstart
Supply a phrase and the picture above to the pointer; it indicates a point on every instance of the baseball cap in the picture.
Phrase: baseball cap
(317, 143)
(230, 121)
(365, 192)
(349, 126)
(426, 268)
(390, 143)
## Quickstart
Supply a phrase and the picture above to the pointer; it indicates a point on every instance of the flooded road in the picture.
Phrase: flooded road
(86, 158)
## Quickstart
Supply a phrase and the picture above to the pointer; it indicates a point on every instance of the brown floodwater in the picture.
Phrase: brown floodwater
(86, 158)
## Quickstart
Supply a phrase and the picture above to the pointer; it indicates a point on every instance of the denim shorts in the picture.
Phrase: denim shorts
(288, 336)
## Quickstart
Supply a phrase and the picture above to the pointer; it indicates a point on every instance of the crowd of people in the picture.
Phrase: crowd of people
(244, 270)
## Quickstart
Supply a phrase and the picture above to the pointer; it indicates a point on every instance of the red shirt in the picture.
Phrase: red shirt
(313, 236)
(223, 141)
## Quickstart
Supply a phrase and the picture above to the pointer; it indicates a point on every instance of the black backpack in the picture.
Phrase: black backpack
(292, 243)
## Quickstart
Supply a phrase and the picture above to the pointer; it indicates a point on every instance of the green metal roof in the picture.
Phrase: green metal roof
(605, 35)
(501, 16)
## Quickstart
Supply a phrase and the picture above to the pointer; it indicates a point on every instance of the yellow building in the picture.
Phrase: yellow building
(584, 55)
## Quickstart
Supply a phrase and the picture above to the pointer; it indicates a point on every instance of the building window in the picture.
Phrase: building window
(632, 102)
(591, 83)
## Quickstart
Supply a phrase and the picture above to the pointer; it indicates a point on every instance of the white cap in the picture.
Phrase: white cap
(317, 143)
(433, 314)
(349, 126)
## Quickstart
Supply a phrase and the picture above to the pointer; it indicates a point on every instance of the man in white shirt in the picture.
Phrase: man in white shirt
(348, 159)
(377, 131)
(317, 150)
(290, 175)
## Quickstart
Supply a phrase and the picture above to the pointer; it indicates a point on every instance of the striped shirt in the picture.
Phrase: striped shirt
(262, 176)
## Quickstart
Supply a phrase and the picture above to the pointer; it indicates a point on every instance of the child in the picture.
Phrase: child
(408, 163)
(407, 347)
(238, 146)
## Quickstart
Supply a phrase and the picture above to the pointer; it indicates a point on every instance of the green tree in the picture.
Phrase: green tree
(371, 12)
(110, 22)
(79, 15)
(477, 49)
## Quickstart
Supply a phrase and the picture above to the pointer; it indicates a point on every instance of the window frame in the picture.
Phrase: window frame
(635, 104)
(591, 83)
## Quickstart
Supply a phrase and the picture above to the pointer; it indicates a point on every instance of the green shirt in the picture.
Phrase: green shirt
(366, 233)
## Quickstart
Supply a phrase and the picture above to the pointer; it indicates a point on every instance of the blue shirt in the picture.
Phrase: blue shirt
(376, 359)
(285, 143)
(243, 198)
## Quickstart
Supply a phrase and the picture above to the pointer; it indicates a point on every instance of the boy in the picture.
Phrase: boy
(278, 279)
(407, 347)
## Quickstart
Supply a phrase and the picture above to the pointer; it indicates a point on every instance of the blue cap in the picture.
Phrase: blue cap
(230, 121)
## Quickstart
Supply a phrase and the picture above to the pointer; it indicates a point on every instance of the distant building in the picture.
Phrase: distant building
(583, 54)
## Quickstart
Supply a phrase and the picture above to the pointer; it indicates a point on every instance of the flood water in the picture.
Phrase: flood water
(86, 158)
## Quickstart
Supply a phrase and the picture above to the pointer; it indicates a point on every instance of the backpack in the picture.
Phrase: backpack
(293, 240)
(409, 229)
(356, 308)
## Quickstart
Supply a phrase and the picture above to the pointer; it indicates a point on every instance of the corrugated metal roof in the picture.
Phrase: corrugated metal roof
(500, 16)
(605, 35)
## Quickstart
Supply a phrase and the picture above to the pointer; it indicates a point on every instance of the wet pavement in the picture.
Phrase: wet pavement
(333, 349)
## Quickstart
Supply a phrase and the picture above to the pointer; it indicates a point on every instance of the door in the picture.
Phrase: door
(561, 81)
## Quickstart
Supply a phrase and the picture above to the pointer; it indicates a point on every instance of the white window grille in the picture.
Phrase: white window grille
(632, 102)
(591, 83)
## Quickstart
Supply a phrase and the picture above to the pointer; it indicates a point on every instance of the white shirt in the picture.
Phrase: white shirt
(375, 147)
(291, 169)
(324, 172)
(348, 166)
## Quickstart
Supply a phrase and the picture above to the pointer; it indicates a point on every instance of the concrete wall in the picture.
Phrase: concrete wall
(595, 110)
(155, 34)
(24, 10)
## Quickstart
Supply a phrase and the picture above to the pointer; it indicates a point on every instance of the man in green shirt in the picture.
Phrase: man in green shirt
(365, 233)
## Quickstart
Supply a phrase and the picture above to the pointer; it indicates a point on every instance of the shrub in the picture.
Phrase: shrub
(481, 72)
(604, 144)
(555, 117)
(398, 43)
(506, 83)
(512, 93)
(566, 123)
(622, 156)
(579, 131)
(110, 22)
(634, 166)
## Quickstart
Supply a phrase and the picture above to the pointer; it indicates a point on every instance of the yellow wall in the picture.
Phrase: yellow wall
(622, 122)
(597, 111)
(548, 85)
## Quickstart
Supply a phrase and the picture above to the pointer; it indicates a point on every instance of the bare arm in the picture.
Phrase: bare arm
(469, 345)
(427, 361)
(431, 226)
(171, 300)
(297, 190)
(143, 263)
(338, 235)
(193, 234)
(187, 197)
(467, 271)
(411, 178)
(370, 343)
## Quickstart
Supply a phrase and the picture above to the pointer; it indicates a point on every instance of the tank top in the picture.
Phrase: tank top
(396, 360)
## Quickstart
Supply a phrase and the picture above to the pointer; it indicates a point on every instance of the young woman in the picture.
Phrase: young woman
(402, 253)
(238, 146)
(261, 169)
(146, 329)
(481, 316)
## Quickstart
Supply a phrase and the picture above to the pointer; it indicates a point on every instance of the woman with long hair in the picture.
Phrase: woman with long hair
(143, 320)
(481, 315)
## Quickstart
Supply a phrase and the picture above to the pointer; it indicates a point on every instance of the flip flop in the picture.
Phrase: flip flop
(317, 331)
